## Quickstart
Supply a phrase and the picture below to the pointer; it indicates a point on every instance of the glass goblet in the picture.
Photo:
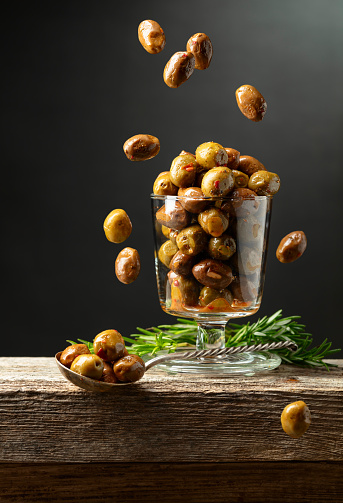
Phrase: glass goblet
(217, 275)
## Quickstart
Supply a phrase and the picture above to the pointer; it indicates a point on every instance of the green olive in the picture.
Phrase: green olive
(213, 221)
(264, 183)
(183, 170)
(191, 240)
(217, 182)
(167, 252)
(88, 366)
(241, 179)
(208, 295)
(211, 154)
(117, 226)
(71, 352)
(296, 419)
(109, 345)
(131, 368)
(222, 248)
(163, 186)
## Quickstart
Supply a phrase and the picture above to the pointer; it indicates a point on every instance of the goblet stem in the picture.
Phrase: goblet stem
(210, 335)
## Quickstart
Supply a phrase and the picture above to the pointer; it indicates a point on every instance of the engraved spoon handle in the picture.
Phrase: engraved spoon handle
(220, 352)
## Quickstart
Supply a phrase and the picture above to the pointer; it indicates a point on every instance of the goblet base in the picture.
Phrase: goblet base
(247, 364)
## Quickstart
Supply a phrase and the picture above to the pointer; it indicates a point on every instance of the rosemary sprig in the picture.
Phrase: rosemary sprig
(265, 330)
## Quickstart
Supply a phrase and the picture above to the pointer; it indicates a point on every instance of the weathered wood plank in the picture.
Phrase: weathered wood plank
(166, 418)
(289, 482)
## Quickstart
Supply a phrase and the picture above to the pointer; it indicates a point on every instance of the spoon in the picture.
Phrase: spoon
(99, 386)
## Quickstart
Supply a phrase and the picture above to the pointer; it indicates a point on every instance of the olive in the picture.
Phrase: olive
(233, 157)
(117, 226)
(296, 419)
(127, 265)
(108, 375)
(186, 288)
(222, 248)
(247, 261)
(167, 252)
(208, 295)
(109, 345)
(183, 170)
(241, 179)
(249, 165)
(264, 183)
(131, 368)
(249, 230)
(251, 102)
(213, 273)
(141, 147)
(173, 215)
(71, 352)
(217, 182)
(242, 204)
(163, 186)
(151, 36)
(200, 46)
(192, 199)
(213, 221)
(243, 289)
(178, 69)
(88, 366)
(188, 153)
(192, 240)
(181, 263)
(291, 247)
(211, 154)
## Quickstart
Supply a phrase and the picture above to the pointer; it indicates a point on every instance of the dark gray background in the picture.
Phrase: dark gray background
(77, 84)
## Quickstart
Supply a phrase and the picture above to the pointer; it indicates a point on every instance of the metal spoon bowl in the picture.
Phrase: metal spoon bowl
(103, 387)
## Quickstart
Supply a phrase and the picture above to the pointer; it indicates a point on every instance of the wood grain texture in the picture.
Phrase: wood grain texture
(165, 418)
(289, 482)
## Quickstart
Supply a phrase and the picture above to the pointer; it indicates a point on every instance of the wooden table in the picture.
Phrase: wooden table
(168, 438)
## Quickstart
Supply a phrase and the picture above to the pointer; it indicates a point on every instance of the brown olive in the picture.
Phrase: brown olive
(141, 147)
(296, 419)
(181, 263)
(131, 368)
(163, 186)
(192, 240)
(88, 366)
(251, 102)
(213, 221)
(108, 375)
(178, 69)
(185, 288)
(173, 215)
(233, 158)
(217, 182)
(109, 345)
(222, 248)
(241, 179)
(208, 295)
(192, 199)
(200, 46)
(264, 183)
(242, 203)
(213, 273)
(71, 352)
(151, 36)
(243, 289)
(117, 226)
(167, 252)
(291, 247)
(210, 155)
(249, 165)
(127, 265)
(183, 170)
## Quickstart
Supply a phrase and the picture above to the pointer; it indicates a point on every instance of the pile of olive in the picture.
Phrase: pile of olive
(217, 200)
(110, 362)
